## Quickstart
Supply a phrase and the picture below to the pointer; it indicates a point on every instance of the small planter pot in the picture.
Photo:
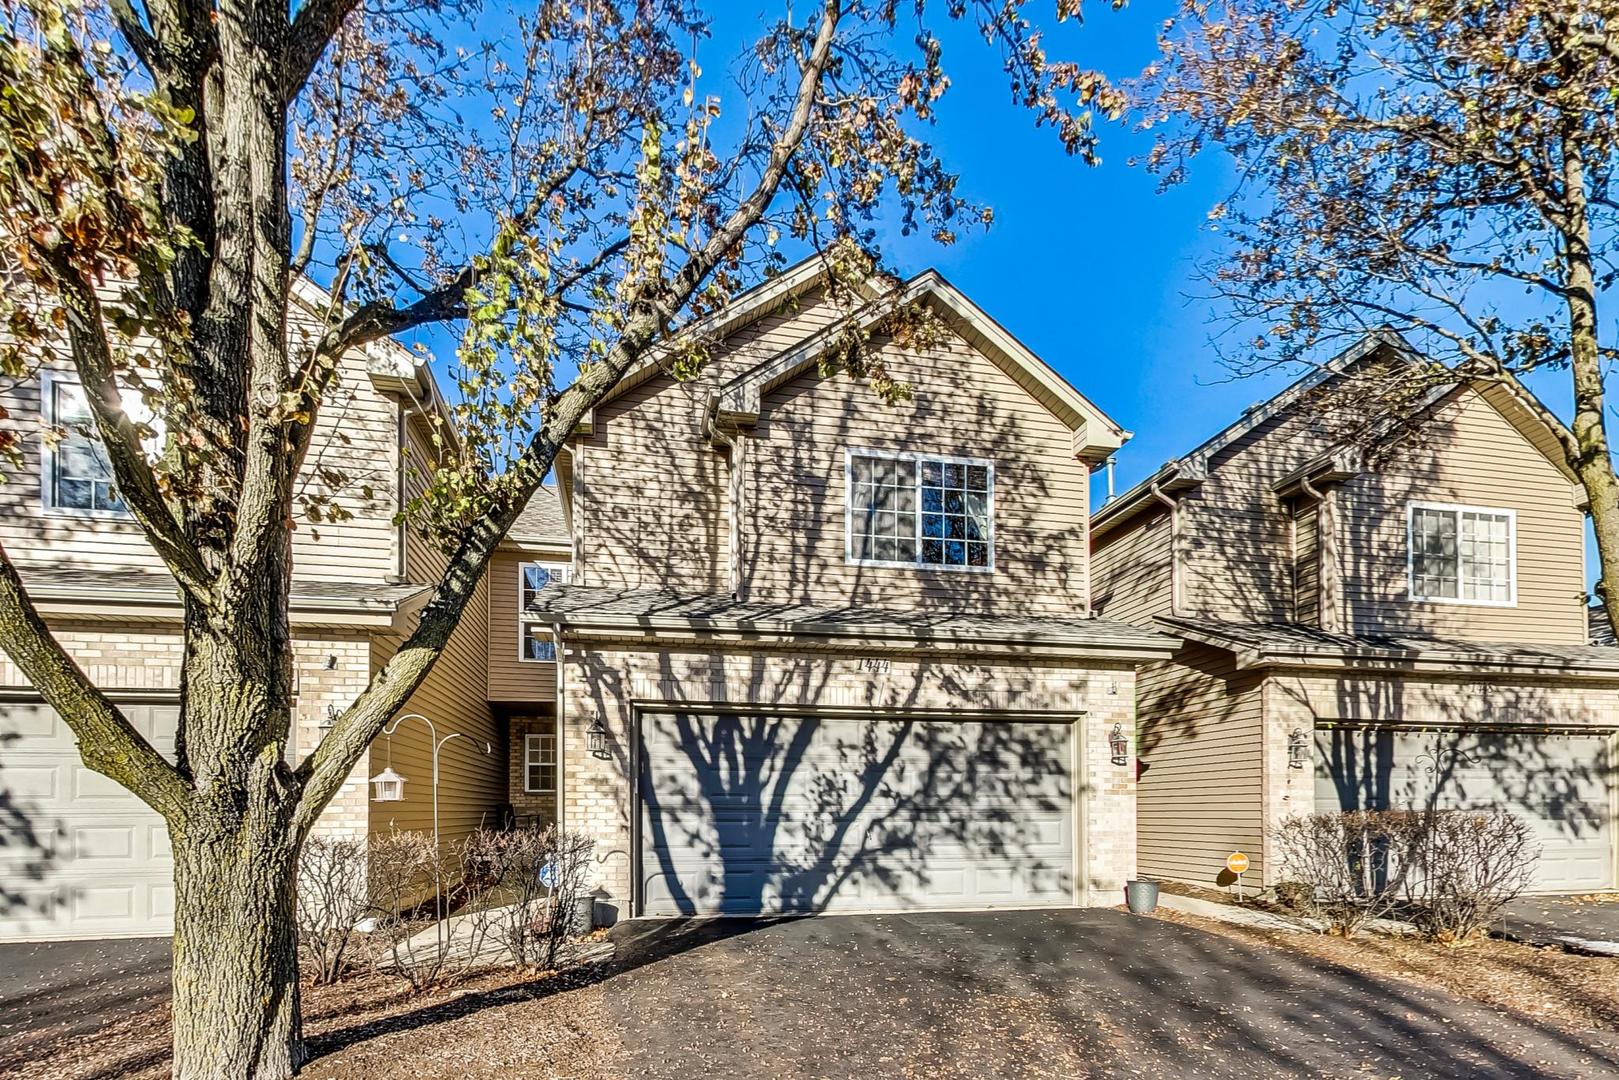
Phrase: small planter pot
(1141, 896)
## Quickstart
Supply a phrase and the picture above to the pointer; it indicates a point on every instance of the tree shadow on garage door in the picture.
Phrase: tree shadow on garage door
(1537, 752)
(750, 813)
(24, 854)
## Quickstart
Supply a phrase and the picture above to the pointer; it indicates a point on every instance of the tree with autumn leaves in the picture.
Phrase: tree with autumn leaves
(566, 197)
(1445, 169)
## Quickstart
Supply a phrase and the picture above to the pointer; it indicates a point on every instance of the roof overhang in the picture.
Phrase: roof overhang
(155, 603)
(1437, 659)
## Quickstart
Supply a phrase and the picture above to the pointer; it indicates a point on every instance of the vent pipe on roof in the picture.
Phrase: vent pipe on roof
(1110, 495)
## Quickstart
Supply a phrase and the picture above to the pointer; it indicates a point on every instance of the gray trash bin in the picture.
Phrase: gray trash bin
(1141, 896)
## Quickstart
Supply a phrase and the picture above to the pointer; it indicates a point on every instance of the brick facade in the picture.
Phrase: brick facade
(608, 681)
(539, 808)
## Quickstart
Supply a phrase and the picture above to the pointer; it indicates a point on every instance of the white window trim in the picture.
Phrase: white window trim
(850, 453)
(523, 622)
(48, 382)
(534, 744)
(1411, 509)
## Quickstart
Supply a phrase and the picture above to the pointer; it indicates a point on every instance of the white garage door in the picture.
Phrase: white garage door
(79, 855)
(747, 814)
(1560, 784)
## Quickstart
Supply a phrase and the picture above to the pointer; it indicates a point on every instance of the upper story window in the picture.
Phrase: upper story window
(76, 473)
(918, 510)
(540, 762)
(535, 638)
(1462, 554)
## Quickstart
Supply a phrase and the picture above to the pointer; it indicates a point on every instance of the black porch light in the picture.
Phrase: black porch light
(1298, 749)
(596, 738)
(1119, 745)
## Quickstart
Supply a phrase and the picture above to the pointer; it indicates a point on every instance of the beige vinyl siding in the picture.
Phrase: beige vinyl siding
(454, 696)
(1236, 537)
(351, 459)
(963, 405)
(1471, 455)
(1131, 570)
(472, 783)
(651, 490)
(512, 679)
(1198, 738)
(1307, 565)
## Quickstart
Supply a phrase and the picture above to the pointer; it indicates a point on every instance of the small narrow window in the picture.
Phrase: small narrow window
(1462, 554)
(536, 641)
(78, 474)
(540, 762)
(914, 510)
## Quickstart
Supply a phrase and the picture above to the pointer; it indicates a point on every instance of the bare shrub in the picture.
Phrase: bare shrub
(532, 920)
(1470, 866)
(1350, 868)
(406, 870)
(332, 898)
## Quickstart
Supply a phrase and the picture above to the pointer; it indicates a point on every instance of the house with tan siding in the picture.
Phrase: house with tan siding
(1409, 635)
(822, 652)
(81, 857)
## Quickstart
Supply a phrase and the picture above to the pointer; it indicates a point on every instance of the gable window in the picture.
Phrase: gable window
(1462, 554)
(536, 642)
(917, 510)
(77, 474)
(540, 762)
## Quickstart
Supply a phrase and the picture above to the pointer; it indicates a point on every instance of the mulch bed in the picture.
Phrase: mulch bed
(489, 1027)
(1571, 992)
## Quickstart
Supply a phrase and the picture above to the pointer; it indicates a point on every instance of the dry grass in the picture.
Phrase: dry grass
(1567, 991)
(491, 1027)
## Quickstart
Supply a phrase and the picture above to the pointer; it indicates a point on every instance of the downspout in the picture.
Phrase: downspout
(1177, 601)
(1326, 559)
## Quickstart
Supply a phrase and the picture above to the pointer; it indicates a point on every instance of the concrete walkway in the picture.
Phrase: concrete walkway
(1233, 913)
(1586, 923)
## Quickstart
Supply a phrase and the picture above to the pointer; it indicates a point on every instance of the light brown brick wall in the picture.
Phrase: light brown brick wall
(540, 806)
(607, 681)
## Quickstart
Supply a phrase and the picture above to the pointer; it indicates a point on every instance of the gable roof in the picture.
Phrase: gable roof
(1096, 435)
(541, 521)
(1335, 463)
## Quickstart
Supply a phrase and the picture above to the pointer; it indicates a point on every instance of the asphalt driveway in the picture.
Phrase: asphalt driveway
(1038, 994)
(60, 988)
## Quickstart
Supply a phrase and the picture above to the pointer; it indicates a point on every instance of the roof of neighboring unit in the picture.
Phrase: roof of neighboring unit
(541, 521)
(1295, 645)
(581, 607)
(146, 587)
(1192, 468)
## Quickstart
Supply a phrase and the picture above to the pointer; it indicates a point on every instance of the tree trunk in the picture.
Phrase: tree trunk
(235, 954)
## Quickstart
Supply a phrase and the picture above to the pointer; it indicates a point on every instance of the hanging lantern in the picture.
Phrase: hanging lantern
(596, 738)
(388, 786)
(1119, 745)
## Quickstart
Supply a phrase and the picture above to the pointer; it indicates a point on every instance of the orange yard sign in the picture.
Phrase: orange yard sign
(1237, 862)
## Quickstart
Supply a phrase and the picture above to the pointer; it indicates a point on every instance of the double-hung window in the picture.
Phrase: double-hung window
(535, 639)
(77, 475)
(1462, 554)
(920, 510)
(540, 762)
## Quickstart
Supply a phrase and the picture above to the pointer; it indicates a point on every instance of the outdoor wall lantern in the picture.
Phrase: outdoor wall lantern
(1119, 745)
(388, 786)
(1298, 749)
(596, 738)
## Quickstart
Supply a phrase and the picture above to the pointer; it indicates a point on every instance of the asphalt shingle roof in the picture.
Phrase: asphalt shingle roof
(579, 605)
(1298, 639)
(78, 582)
(541, 520)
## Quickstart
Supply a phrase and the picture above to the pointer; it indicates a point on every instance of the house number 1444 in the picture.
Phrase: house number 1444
(875, 664)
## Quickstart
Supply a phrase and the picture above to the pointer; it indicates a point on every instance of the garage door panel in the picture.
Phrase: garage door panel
(747, 814)
(1558, 784)
(79, 855)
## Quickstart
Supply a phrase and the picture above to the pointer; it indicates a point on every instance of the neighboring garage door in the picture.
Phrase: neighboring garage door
(1560, 784)
(758, 814)
(79, 855)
